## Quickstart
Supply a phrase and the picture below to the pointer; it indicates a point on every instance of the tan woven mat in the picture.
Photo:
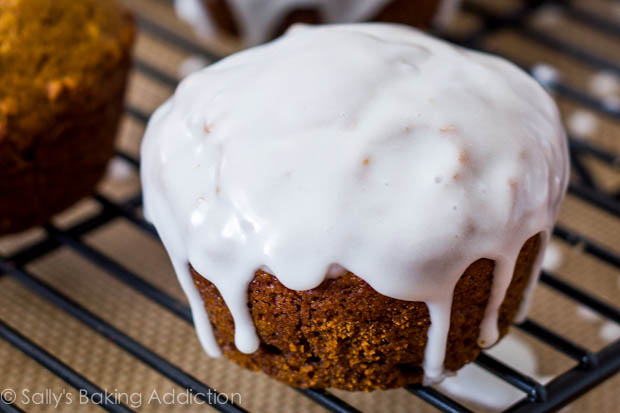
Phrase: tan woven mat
(113, 369)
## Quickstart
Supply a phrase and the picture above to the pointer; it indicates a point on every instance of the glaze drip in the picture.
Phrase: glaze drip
(372, 148)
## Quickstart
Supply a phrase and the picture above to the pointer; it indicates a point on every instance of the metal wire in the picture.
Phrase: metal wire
(97, 395)
(7, 407)
(591, 368)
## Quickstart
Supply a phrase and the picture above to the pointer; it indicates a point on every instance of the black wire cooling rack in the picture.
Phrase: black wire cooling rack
(591, 367)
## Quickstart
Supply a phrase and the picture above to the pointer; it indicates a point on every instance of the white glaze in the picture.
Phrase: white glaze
(553, 259)
(610, 332)
(445, 13)
(604, 84)
(588, 314)
(258, 18)
(194, 13)
(190, 65)
(473, 384)
(582, 124)
(546, 74)
(373, 146)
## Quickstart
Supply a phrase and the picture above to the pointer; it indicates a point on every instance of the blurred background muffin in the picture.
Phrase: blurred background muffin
(255, 21)
(63, 69)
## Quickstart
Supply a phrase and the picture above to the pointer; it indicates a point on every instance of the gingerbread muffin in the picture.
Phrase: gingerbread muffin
(254, 22)
(355, 206)
(63, 69)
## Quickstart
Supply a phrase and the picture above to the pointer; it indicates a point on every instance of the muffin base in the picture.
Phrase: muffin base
(65, 164)
(343, 334)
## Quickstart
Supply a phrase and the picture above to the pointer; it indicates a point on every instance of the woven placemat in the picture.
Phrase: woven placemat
(143, 389)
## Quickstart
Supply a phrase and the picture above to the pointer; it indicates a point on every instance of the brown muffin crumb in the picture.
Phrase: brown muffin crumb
(222, 16)
(63, 68)
(343, 334)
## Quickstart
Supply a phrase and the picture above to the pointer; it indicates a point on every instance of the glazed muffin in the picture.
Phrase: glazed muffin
(254, 22)
(355, 206)
(63, 69)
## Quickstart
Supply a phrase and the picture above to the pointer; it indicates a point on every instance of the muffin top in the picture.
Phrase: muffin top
(372, 147)
(55, 56)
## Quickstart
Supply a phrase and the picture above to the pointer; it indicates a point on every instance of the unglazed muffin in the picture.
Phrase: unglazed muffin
(63, 69)
(256, 21)
(355, 206)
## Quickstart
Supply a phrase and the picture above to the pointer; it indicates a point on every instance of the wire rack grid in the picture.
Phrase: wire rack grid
(590, 369)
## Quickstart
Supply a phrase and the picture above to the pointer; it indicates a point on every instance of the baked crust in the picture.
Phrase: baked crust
(60, 102)
(343, 334)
